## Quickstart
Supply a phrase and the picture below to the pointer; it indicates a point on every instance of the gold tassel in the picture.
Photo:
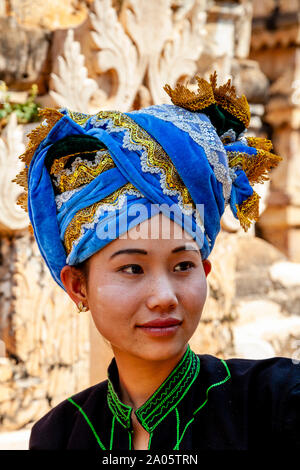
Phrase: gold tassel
(38, 134)
(185, 98)
(22, 201)
(226, 97)
(256, 166)
(260, 143)
(207, 94)
(21, 178)
(50, 117)
(248, 211)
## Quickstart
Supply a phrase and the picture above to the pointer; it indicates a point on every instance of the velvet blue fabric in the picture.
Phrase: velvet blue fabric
(192, 165)
(187, 147)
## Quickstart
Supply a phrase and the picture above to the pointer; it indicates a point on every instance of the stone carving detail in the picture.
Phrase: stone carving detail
(115, 52)
(12, 217)
(277, 51)
(49, 15)
(148, 44)
(73, 87)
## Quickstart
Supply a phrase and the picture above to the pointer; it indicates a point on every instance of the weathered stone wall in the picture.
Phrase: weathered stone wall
(253, 303)
(275, 45)
(47, 342)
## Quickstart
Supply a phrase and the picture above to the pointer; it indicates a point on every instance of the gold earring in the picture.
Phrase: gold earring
(81, 307)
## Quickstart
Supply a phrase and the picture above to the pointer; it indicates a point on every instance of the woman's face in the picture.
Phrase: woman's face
(138, 279)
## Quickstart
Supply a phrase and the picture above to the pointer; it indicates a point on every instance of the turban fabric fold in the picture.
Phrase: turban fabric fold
(85, 176)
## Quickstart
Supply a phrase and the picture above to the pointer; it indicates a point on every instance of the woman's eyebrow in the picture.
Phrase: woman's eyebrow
(144, 252)
(186, 248)
(129, 250)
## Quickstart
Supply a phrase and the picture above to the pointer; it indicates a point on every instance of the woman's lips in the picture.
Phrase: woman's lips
(161, 327)
(159, 322)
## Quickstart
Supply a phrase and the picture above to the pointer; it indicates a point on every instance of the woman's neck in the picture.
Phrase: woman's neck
(139, 378)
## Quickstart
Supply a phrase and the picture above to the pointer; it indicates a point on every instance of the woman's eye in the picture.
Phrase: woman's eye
(132, 269)
(185, 264)
(137, 269)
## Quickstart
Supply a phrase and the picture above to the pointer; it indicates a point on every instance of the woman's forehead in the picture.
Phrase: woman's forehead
(156, 235)
(158, 227)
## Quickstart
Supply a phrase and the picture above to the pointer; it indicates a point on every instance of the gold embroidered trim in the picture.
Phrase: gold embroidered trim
(156, 156)
(256, 166)
(35, 137)
(248, 211)
(79, 118)
(207, 94)
(87, 214)
(59, 163)
(84, 174)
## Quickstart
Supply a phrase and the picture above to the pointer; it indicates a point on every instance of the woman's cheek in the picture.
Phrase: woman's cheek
(118, 301)
(194, 293)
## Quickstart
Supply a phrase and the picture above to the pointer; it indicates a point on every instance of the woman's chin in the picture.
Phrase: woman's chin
(158, 350)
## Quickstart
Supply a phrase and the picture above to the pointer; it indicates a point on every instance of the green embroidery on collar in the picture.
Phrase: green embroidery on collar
(216, 384)
(159, 400)
(170, 393)
(164, 400)
(121, 411)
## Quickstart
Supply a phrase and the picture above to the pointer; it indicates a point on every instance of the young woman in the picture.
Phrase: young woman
(125, 208)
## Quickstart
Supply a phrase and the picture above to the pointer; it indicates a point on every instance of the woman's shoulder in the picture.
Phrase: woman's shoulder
(274, 370)
(54, 428)
(266, 387)
(264, 393)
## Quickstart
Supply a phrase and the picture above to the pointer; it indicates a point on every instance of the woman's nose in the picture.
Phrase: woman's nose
(162, 295)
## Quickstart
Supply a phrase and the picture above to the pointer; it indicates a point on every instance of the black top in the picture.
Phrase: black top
(205, 403)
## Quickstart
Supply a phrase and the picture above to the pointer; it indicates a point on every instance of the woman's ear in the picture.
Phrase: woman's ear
(74, 284)
(206, 266)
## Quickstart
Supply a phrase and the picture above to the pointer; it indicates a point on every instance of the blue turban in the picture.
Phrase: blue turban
(85, 176)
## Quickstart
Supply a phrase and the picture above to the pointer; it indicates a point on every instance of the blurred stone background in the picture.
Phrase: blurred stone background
(118, 54)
